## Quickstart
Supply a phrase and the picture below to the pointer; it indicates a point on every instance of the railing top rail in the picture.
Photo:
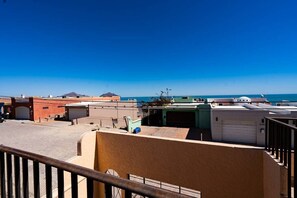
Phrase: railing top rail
(125, 184)
(283, 118)
(282, 123)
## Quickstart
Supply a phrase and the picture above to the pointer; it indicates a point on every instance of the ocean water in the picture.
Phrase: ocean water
(273, 98)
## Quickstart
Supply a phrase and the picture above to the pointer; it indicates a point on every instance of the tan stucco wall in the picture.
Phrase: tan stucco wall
(86, 157)
(217, 170)
(274, 177)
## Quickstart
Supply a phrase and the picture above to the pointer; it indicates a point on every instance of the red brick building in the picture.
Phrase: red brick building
(38, 109)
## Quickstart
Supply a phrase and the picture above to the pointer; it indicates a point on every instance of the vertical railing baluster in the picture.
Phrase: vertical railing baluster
(9, 175)
(90, 188)
(25, 178)
(272, 137)
(36, 179)
(108, 191)
(281, 151)
(289, 163)
(266, 133)
(17, 187)
(286, 131)
(48, 176)
(269, 135)
(60, 183)
(74, 188)
(295, 165)
(277, 141)
(2, 174)
(128, 194)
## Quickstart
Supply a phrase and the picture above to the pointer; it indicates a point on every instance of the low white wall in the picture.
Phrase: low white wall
(101, 122)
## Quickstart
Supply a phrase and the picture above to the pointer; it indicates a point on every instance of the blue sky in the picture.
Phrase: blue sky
(137, 48)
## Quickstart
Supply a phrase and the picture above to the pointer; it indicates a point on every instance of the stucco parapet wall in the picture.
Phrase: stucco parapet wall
(181, 140)
(86, 152)
(215, 169)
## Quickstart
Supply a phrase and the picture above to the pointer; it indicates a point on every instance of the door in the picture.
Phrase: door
(240, 132)
(180, 119)
(22, 113)
(75, 113)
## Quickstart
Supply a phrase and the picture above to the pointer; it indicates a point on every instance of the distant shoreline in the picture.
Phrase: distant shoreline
(270, 97)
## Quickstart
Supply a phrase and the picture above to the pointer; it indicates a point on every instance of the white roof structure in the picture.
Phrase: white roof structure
(82, 104)
(244, 99)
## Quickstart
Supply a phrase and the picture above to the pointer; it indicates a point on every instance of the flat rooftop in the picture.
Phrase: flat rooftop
(176, 133)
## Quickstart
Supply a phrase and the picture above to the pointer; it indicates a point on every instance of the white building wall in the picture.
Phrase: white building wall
(221, 116)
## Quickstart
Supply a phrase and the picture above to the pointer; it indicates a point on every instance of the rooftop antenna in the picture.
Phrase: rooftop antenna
(167, 92)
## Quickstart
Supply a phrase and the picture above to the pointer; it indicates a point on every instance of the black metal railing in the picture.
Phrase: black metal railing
(14, 179)
(280, 141)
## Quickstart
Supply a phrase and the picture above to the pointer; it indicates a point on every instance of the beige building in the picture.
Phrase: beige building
(110, 113)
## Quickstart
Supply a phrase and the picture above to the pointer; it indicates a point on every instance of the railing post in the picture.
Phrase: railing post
(295, 165)
(128, 194)
(281, 151)
(60, 183)
(272, 132)
(277, 135)
(9, 175)
(74, 189)
(266, 133)
(2, 174)
(48, 181)
(25, 178)
(289, 162)
(36, 179)
(90, 188)
(269, 132)
(108, 191)
(17, 176)
(286, 146)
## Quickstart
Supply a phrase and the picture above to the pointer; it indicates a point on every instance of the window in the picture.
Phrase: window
(44, 107)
